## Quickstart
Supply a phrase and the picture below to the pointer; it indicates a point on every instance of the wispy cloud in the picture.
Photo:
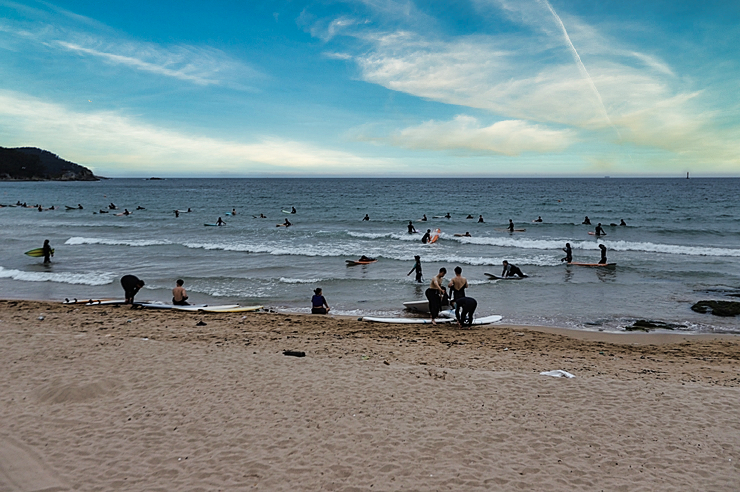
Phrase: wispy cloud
(109, 142)
(511, 137)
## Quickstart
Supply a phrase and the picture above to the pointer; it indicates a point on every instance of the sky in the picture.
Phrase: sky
(478, 88)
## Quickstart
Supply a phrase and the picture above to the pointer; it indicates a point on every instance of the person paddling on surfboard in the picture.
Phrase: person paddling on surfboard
(511, 270)
(602, 261)
(586, 221)
(48, 252)
(287, 223)
(179, 296)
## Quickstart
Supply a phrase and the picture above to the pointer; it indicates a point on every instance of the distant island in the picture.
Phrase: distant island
(32, 164)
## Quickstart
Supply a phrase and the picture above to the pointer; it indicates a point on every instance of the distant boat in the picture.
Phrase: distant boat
(154, 179)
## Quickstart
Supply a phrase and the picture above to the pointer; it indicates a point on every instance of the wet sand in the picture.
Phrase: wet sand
(109, 398)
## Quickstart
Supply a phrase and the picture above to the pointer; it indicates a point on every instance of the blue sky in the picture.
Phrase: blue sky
(375, 87)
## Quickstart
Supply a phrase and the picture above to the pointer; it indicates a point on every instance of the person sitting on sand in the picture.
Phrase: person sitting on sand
(435, 293)
(318, 303)
(179, 296)
(464, 309)
(131, 285)
(511, 270)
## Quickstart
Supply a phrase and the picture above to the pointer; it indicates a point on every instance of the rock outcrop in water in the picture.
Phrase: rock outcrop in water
(32, 164)
(717, 308)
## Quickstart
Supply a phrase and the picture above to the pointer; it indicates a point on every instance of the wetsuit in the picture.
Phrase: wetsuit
(464, 309)
(417, 267)
(457, 288)
(511, 270)
(412, 229)
(511, 226)
(568, 254)
(426, 237)
(47, 252)
(434, 295)
(602, 261)
(131, 286)
(317, 305)
(599, 231)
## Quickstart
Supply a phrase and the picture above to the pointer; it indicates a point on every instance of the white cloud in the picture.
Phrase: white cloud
(511, 137)
(111, 143)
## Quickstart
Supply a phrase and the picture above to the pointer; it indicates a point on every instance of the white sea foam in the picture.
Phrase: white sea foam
(74, 241)
(90, 278)
(287, 280)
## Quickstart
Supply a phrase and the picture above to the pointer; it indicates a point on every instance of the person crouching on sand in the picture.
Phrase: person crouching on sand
(179, 296)
(318, 303)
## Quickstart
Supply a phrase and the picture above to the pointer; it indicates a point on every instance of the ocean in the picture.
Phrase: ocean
(681, 244)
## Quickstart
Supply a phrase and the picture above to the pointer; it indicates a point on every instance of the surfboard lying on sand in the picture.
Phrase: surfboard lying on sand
(496, 277)
(420, 321)
(100, 302)
(602, 265)
(359, 262)
(192, 307)
(37, 252)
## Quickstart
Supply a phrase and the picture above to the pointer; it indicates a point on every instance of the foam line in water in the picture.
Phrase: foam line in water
(90, 278)
(74, 241)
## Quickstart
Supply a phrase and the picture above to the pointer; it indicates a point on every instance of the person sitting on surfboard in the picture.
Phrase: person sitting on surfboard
(599, 230)
(425, 238)
(511, 225)
(131, 285)
(417, 268)
(48, 252)
(464, 309)
(220, 222)
(318, 303)
(293, 210)
(538, 219)
(424, 218)
(511, 270)
(179, 296)
(602, 261)
(480, 219)
(586, 221)
(287, 223)
(411, 228)
(366, 217)
(622, 222)
(568, 253)
(448, 216)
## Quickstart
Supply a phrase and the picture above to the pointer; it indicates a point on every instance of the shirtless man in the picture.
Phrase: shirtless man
(457, 286)
(434, 294)
(179, 296)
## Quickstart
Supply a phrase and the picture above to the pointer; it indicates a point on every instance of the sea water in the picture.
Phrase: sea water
(681, 244)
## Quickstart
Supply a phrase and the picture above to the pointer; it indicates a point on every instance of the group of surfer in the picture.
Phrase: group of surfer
(132, 284)
(569, 254)
(438, 296)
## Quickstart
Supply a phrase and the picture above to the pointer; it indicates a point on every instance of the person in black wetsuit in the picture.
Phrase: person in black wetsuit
(480, 219)
(435, 293)
(464, 309)
(366, 217)
(622, 222)
(448, 216)
(412, 229)
(48, 252)
(599, 230)
(469, 216)
(425, 238)
(511, 225)
(602, 261)
(293, 210)
(220, 222)
(287, 223)
(568, 253)
(538, 219)
(131, 285)
(511, 270)
(586, 221)
(417, 268)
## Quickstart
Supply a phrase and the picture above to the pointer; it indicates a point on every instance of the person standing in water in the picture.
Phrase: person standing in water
(411, 228)
(480, 219)
(435, 293)
(48, 252)
(568, 253)
(318, 302)
(511, 225)
(602, 261)
(366, 217)
(457, 286)
(179, 296)
(417, 268)
(425, 238)
(599, 230)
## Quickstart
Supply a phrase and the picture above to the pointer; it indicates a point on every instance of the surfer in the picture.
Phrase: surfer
(48, 252)
(469, 216)
(79, 206)
(263, 216)
(435, 293)
(457, 286)
(287, 223)
(366, 258)
(233, 211)
(417, 268)
(511, 270)
(602, 261)
(366, 217)
(293, 210)
(511, 226)
(425, 238)
(424, 218)
(599, 230)
(139, 207)
(538, 219)
(448, 216)
(464, 309)
(126, 212)
(411, 228)
(179, 296)
(131, 285)
(318, 303)
(586, 221)
(177, 213)
(480, 219)
(622, 222)
(568, 253)
(220, 222)
(112, 206)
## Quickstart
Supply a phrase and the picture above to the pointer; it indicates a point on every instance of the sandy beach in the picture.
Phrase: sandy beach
(110, 398)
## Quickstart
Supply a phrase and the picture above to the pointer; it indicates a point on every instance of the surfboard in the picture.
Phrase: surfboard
(37, 252)
(496, 277)
(72, 208)
(88, 302)
(287, 212)
(507, 230)
(214, 225)
(192, 307)
(359, 262)
(241, 309)
(487, 320)
(602, 265)
(463, 235)
(592, 233)
(435, 236)
(421, 306)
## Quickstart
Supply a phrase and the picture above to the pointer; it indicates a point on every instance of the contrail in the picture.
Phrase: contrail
(582, 67)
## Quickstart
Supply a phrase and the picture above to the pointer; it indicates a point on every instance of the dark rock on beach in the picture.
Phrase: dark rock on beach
(32, 164)
(717, 308)
(647, 325)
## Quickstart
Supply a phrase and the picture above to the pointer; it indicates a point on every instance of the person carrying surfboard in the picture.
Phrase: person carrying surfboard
(48, 252)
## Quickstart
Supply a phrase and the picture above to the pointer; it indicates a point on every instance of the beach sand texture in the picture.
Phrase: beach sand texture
(109, 398)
